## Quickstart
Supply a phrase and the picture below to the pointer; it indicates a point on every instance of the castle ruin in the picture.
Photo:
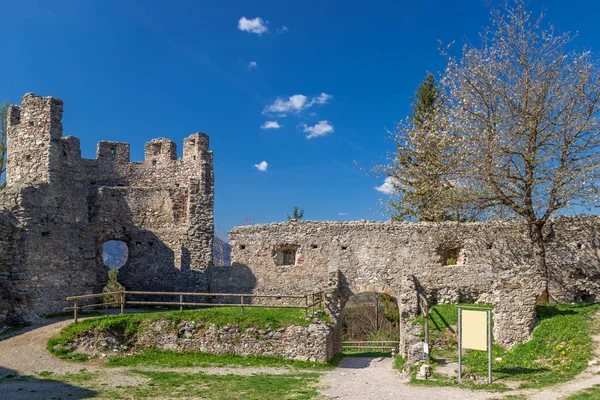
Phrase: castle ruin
(58, 209)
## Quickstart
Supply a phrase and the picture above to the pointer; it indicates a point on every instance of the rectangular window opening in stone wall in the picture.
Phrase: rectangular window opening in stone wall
(285, 255)
(451, 253)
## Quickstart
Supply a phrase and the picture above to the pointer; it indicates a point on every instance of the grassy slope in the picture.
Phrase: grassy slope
(158, 384)
(592, 393)
(559, 349)
(131, 324)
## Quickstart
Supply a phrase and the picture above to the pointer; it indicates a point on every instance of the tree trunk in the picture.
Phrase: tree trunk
(539, 256)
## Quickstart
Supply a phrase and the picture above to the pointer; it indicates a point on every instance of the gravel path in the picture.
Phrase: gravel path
(26, 353)
(363, 378)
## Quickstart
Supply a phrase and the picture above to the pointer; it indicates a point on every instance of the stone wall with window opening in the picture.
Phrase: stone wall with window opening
(285, 255)
(451, 262)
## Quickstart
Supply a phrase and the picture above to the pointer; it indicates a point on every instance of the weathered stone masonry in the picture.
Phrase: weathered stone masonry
(493, 263)
(58, 209)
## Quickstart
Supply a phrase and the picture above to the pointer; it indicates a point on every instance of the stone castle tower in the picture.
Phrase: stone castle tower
(59, 208)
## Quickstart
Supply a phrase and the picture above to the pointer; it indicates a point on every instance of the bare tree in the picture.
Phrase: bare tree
(523, 112)
(220, 248)
(249, 220)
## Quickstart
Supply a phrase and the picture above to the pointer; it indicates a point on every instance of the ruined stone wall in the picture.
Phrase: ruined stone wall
(8, 296)
(493, 262)
(67, 207)
(374, 255)
(315, 342)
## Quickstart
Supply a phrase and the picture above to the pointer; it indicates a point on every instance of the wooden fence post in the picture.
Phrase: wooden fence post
(75, 310)
(122, 301)
(306, 306)
(242, 304)
(180, 303)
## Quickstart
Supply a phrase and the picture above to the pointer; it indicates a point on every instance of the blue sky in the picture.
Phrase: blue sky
(133, 70)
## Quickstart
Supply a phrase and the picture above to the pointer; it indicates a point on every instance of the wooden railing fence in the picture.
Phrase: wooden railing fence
(373, 345)
(311, 300)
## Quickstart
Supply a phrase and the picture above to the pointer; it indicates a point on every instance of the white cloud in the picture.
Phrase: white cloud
(321, 99)
(322, 128)
(262, 166)
(293, 103)
(296, 103)
(283, 29)
(252, 64)
(387, 187)
(270, 125)
(256, 25)
(342, 214)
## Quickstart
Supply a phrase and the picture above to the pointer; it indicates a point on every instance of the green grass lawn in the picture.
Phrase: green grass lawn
(560, 347)
(152, 384)
(588, 394)
(224, 387)
(174, 359)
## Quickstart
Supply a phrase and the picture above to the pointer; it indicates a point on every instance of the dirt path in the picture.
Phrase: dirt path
(26, 353)
(358, 378)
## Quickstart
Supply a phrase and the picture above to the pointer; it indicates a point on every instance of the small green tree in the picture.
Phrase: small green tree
(421, 168)
(297, 214)
(113, 285)
(3, 127)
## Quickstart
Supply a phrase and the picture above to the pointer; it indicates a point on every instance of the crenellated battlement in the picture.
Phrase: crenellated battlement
(195, 146)
(160, 150)
(117, 152)
(37, 153)
(34, 133)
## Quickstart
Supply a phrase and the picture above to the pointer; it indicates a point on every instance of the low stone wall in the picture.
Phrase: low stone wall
(317, 342)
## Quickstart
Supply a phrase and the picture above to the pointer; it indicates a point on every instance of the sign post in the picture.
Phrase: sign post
(475, 332)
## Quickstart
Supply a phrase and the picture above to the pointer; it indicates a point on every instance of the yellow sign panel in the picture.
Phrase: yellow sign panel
(474, 329)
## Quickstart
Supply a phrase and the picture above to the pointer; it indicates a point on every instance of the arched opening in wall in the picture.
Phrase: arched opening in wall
(370, 317)
(114, 256)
